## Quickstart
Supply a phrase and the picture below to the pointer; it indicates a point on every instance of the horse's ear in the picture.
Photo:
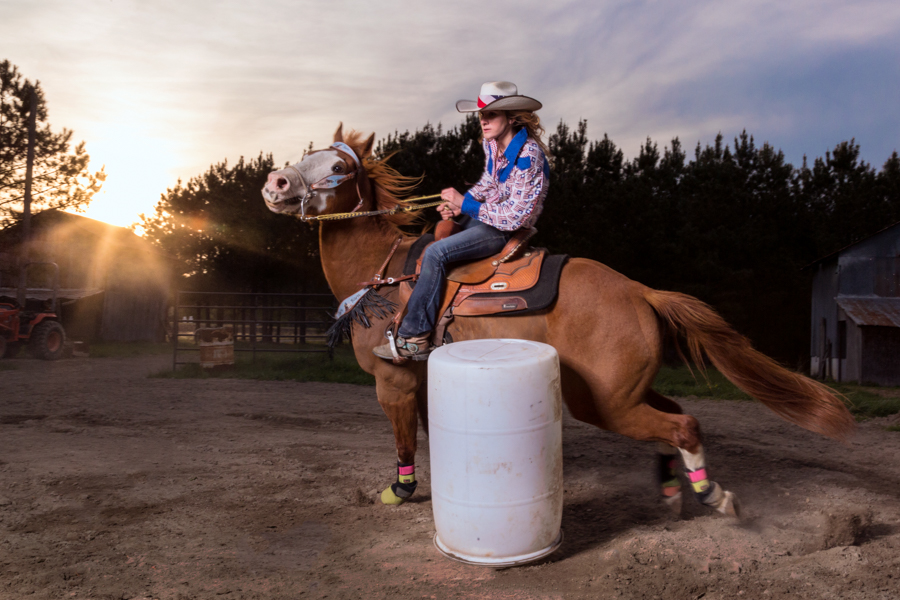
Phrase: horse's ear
(370, 145)
(339, 134)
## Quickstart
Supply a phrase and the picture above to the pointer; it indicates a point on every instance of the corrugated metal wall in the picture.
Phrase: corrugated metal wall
(870, 268)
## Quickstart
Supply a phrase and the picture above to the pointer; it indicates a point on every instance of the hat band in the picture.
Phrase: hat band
(486, 99)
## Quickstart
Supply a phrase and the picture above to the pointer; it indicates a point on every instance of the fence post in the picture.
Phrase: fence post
(175, 330)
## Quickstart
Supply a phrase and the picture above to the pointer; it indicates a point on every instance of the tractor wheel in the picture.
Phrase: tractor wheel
(47, 340)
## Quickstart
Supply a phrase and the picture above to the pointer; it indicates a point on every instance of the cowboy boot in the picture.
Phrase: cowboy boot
(412, 348)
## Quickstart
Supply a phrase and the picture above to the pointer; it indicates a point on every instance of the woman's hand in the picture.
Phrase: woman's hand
(452, 204)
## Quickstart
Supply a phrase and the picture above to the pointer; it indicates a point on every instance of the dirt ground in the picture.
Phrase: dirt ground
(113, 485)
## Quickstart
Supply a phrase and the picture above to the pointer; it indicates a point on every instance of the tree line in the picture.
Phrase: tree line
(733, 224)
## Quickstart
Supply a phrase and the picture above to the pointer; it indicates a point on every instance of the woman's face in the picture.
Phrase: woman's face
(494, 124)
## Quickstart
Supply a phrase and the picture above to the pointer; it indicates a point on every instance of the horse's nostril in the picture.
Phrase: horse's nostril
(281, 183)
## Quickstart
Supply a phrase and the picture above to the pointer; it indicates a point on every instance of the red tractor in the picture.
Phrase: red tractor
(39, 328)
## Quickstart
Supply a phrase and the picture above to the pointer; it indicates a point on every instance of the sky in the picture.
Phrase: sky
(162, 90)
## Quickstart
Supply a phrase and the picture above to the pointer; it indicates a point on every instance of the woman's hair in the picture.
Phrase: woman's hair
(531, 122)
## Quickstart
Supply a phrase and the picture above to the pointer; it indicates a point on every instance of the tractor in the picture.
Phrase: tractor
(39, 328)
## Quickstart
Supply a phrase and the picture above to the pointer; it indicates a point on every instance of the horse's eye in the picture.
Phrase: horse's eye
(337, 168)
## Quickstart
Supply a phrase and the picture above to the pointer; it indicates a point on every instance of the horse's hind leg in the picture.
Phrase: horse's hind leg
(708, 492)
(661, 419)
(667, 457)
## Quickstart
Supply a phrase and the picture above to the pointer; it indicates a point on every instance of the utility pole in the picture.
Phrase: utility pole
(25, 255)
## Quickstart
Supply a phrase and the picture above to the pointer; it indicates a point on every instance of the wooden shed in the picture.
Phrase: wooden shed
(855, 333)
(114, 286)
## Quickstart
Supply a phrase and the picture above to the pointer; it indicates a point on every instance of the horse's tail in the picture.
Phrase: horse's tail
(798, 399)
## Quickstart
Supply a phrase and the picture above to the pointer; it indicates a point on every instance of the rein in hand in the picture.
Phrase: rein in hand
(372, 213)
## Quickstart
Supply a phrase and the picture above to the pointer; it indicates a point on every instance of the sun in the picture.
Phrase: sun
(139, 164)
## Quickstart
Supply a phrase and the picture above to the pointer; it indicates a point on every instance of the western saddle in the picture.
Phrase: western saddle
(482, 287)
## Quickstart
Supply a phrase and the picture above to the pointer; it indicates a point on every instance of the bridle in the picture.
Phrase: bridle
(333, 181)
(330, 181)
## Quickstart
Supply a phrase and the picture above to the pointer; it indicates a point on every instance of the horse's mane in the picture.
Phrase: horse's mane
(389, 185)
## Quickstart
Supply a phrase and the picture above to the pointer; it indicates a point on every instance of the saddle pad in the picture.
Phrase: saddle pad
(538, 297)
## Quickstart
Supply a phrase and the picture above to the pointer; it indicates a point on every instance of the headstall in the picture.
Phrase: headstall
(330, 181)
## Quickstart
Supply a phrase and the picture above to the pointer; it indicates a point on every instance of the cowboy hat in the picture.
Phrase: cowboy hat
(498, 95)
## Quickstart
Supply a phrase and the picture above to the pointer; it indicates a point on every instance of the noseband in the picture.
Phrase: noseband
(330, 181)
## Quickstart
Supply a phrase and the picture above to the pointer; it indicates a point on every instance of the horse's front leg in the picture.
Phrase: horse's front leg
(397, 397)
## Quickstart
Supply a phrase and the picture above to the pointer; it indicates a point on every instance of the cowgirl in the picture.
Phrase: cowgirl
(509, 196)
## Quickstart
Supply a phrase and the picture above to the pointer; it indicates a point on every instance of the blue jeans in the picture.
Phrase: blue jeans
(476, 240)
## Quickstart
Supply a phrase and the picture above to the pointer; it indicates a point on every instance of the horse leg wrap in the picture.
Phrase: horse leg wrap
(400, 491)
(667, 476)
(667, 472)
(711, 494)
(705, 492)
(708, 492)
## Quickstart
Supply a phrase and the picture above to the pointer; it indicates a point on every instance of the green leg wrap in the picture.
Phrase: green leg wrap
(401, 490)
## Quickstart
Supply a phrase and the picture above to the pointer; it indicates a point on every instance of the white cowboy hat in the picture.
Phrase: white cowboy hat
(498, 95)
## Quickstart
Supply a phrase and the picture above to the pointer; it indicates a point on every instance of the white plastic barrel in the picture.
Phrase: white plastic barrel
(495, 435)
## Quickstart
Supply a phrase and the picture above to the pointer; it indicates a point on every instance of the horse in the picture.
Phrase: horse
(607, 329)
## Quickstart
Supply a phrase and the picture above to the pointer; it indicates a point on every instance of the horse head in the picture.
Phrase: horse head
(325, 181)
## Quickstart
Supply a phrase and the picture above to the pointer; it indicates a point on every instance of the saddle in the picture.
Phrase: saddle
(517, 279)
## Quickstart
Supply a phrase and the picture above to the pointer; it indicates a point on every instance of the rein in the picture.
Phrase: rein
(371, 213)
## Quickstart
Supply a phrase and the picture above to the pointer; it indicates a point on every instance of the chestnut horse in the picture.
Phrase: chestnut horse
(607, 329)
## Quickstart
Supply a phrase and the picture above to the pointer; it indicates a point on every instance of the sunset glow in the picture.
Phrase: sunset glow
(157, 99)
(139, 166)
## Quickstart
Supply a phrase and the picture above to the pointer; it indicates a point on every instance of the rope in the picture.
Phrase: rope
(372, 213)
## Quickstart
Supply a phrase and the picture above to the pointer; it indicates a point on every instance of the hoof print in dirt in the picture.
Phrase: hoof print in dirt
(360, 498)
(845, 528)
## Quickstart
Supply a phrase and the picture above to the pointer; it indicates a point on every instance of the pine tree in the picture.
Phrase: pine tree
(61, 178)
(225, 238)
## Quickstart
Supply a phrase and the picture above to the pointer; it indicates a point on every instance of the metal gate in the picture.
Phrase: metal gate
(261, 323)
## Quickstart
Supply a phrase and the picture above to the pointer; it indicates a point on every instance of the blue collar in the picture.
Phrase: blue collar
(511, 153)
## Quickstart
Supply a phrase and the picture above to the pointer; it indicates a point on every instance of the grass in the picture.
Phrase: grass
(893, 427)
(5, 365)
(678, 381)
(863, 402)
(281, 367)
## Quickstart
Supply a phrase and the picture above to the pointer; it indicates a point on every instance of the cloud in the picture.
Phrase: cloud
(225, 79)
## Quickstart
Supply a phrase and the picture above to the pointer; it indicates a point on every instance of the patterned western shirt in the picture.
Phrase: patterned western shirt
(510, 194)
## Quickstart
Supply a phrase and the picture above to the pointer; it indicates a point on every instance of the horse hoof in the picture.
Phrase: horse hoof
(674, 503)
(730, 505)
(389, 497)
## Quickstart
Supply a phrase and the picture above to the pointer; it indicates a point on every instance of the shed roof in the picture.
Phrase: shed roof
(838, 251)
(46, 294)
(871, 310)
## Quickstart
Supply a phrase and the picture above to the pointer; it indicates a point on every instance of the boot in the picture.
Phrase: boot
(413, 348)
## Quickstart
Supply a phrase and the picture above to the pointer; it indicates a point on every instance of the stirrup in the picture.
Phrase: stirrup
(401, 350)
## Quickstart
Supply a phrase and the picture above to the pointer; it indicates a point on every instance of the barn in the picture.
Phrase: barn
(113, 286)
(855, 333)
